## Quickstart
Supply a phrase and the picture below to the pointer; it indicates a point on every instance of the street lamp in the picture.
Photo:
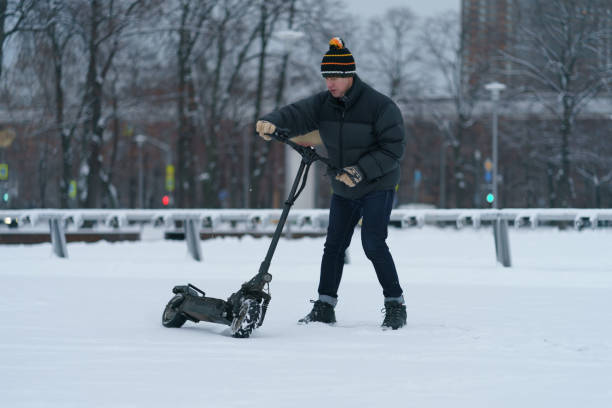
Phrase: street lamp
(500, 227)
(140, 139)
(495, 88)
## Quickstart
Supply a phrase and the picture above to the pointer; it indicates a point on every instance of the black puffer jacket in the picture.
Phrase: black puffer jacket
(364, 128)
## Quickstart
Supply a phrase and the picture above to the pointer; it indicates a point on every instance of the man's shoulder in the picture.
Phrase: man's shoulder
(376, 96)
(378, 101)
(383, 98)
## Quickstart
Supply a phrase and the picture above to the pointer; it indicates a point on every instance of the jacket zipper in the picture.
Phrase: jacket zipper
(340, 139)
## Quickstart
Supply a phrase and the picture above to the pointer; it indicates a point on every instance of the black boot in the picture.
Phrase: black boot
(321, 312)
(395, 315)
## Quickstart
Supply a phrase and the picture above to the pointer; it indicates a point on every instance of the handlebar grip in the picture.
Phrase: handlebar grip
(282, 132)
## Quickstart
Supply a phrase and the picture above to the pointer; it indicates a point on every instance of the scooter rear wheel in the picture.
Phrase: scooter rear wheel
(247, 319)
(172, 317)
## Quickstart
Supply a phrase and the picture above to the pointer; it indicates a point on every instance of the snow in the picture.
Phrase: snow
(86, 331)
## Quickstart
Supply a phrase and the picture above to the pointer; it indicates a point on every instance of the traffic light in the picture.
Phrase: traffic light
(166, 200)
(488, 165)
(5, 197)
(169, 177)
(488, 178)
(3, 171)
(72, 189)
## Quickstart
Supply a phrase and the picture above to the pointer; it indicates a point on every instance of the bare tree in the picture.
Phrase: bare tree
(592, 159)
(444, 42)
(12, 16)
(562, 53)
(102, 26)
(392, 53)
(52, 26)
(269, 13)
(41, 51)
(231, 75)
(90, 74)
(222, 80)
(191, 16)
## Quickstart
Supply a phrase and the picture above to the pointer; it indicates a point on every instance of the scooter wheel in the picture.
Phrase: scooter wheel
(172, 317)
(246, 321)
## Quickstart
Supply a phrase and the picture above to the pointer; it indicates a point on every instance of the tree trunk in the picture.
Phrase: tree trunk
(442, 194)
(43, 173)
(3, 7)
(564, 190)
(278, 176)
(185, 173)
(210, 185)
(280, 89)
(108, 180)
(529, 193)
(94, 113)
(245, 134)
(550, 176)
(458, 168)
(259, 151)
(59, 125)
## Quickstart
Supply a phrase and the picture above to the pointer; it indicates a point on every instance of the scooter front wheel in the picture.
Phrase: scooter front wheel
(172, 317)
(247, 319)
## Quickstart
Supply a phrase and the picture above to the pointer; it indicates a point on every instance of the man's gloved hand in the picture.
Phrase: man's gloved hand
(350, 176)
(264, 128)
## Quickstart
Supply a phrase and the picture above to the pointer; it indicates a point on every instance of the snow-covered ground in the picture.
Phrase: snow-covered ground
(86, 332)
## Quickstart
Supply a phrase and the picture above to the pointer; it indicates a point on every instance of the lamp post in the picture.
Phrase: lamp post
(140, 139)
(495, 88)
(500, 226)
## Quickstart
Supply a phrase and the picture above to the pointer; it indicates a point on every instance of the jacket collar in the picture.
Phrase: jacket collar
(352, 95)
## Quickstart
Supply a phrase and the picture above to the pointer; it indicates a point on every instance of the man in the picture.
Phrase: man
(363, 132)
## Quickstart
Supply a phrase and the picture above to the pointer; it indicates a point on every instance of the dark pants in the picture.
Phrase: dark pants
(375, 208)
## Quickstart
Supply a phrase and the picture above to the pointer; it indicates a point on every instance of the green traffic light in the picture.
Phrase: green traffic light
(5, 197)
(490, 198)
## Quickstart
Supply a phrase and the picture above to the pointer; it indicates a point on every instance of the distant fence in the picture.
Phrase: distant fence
(201, 223)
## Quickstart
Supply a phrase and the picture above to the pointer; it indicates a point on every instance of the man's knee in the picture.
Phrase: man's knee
(374, 246)
(334, 246)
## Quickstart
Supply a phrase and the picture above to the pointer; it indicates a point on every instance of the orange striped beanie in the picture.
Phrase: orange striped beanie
(338, 60)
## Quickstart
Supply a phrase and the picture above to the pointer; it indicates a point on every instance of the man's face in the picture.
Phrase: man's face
(338, 86)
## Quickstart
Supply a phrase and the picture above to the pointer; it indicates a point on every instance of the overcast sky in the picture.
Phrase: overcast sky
(424, 8)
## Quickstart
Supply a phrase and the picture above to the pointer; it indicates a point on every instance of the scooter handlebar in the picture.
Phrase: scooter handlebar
(280, 134)
(307, 152)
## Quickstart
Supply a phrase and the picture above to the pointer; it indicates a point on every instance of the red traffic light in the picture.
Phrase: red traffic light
(165, 200)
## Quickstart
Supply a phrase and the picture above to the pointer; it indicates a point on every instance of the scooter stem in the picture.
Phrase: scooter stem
(309, 156)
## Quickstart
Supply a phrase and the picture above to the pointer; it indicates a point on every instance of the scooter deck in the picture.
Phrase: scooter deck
(207, 309)
(197, 307)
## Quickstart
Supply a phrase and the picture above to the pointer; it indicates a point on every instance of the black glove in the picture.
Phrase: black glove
(350, 176)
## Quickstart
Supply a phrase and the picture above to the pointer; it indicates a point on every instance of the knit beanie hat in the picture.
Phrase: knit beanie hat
(338, 61)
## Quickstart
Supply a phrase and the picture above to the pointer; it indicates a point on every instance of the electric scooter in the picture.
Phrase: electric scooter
(246, 308)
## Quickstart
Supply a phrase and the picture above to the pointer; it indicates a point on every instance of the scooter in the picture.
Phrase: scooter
(246, 308)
